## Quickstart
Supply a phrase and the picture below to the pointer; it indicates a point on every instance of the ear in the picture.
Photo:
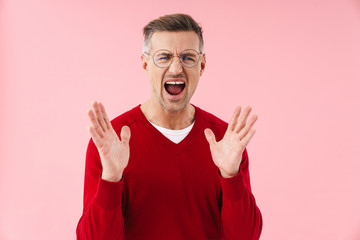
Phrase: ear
(202, 64)
(144, 63)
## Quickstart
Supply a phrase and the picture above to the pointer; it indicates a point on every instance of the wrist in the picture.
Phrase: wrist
(228, 175)
(111, 177)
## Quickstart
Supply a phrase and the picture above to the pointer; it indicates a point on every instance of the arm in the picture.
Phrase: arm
(102, 216)
(241, 218)
(106, 158)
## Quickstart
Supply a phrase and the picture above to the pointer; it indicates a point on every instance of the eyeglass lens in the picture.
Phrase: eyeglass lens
(188, 58)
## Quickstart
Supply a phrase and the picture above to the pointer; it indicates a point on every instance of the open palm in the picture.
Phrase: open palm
(114, 153)
(227, 153)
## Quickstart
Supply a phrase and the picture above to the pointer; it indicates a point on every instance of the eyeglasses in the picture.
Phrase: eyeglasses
(188, 58)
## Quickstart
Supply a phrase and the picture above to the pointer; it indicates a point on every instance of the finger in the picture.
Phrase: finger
(95, 124)
(210, 137)
(248, 126)
(234, 118)
(242, 120)
(125, 134)
(99, 116)
(94, 135)
(106, 118)
(245, 141)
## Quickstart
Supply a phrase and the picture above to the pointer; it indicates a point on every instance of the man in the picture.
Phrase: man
(167, 169)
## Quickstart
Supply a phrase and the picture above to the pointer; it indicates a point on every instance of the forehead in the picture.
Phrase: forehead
(175, 41)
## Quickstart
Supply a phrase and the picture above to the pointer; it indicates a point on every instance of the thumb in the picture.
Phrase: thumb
(210, 137)
(125, 134)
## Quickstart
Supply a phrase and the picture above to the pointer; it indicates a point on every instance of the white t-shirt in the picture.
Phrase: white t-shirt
(174, 135)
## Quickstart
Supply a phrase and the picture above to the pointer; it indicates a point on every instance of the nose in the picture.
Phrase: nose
(175, 66)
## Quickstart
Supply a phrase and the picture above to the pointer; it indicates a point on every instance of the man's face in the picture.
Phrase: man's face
(173, 97)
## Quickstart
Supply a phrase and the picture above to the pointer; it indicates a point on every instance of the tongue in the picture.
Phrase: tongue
(174, 89)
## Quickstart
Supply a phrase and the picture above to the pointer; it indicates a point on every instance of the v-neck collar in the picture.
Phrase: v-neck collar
(158, 136)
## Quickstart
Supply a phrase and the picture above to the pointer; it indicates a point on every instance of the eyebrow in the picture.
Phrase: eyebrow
(188, 54)
(164, 53)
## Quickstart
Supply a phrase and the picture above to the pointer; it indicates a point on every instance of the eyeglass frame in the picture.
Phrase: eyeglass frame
(200, 54)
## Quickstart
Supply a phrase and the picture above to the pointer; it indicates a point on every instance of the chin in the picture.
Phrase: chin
(174, 107)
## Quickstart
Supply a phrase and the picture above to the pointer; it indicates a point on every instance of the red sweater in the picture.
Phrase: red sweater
(168, 190)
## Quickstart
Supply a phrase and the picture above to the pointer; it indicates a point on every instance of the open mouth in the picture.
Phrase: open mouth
(174, 87)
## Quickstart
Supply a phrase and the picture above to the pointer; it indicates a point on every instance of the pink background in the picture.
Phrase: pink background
(296, 62)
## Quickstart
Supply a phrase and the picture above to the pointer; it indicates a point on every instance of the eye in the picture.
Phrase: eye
(188, 58)
(163, 57)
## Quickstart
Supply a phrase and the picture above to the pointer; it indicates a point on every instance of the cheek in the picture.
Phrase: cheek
(156, 79)
(194, 79)
(195, 85)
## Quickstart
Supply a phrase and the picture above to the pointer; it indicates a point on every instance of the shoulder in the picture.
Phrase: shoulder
(209, 120)
(127, 118)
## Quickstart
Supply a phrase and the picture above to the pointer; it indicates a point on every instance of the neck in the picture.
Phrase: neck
(174, 120)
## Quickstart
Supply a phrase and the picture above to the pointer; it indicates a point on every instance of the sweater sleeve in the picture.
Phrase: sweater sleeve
(102, 216)
(241, 218)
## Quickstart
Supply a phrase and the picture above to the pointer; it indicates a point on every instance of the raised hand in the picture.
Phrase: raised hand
(114, 153)
(227, 153)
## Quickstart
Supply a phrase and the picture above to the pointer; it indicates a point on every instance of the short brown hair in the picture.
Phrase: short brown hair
(173, 22)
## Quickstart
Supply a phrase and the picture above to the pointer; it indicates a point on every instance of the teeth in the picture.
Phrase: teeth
(175, 83)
